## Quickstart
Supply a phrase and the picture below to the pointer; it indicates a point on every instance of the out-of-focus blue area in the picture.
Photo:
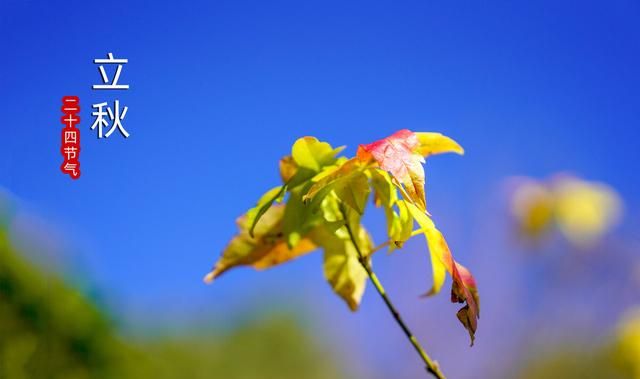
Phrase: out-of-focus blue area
(220, 91)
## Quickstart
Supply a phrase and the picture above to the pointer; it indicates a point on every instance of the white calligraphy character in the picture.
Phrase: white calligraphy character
(114, 84)
(115, 115)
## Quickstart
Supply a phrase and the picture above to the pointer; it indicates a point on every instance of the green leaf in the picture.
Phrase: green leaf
(298, 218)
(308, 152)
(402, 226)
(385, 193)
(292, 175)
(347, 180)
(354, 191)
(309, 157)
(254, 214)
(400, 222)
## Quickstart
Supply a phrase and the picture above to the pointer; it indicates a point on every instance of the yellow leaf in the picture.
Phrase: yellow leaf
(436, 143)
(437, 247)
(464, 287)
(288, 168)
(281, 253)
(342, 269)
(265, 249)
(385, 194)
(354, 191)
(406, 222)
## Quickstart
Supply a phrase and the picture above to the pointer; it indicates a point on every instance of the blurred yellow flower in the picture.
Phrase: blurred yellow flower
(532, 207)
(583, 211)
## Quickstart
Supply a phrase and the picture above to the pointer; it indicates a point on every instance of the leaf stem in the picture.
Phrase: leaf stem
(388, 242)
(431, 366)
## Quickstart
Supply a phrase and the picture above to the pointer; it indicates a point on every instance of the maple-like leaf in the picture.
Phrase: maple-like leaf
(264, 249)
(402, 155)
(398, 154)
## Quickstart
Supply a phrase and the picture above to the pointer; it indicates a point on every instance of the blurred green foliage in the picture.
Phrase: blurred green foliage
(571, 362)
(49, 330)
(617, 358)
(272, 349)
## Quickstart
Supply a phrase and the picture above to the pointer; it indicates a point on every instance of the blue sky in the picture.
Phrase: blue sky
(220, 91)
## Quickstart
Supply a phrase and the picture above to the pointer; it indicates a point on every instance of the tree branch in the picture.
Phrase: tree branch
(431, 366)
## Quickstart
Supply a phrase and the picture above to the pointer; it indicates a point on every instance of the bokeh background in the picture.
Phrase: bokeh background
(102, 277)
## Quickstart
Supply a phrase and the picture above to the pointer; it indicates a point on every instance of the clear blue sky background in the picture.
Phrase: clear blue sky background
(221, 89)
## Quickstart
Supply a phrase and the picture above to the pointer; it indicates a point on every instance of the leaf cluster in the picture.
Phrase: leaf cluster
(320, 204)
